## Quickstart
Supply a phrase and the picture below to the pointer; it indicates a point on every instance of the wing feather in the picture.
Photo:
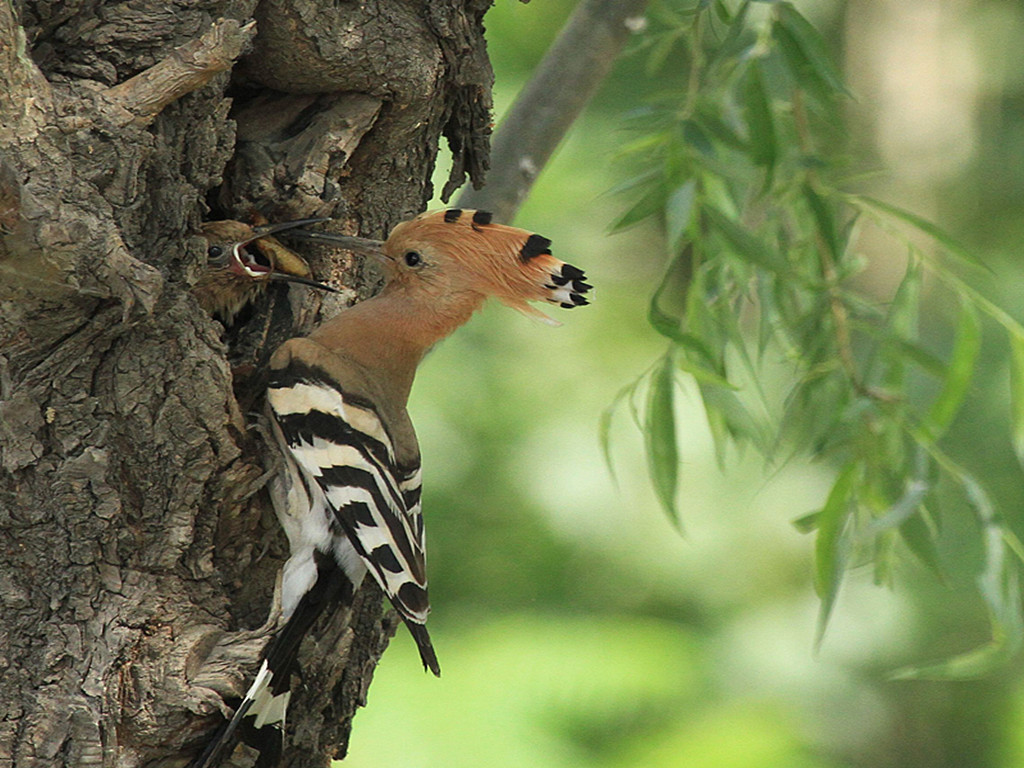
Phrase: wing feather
(341, 442)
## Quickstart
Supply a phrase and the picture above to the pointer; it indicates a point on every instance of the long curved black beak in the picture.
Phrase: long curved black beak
(361, 245)
(286, 278)
(263, 230)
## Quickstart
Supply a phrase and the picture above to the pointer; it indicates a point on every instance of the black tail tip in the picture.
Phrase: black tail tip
(428, 657)
(426, 648)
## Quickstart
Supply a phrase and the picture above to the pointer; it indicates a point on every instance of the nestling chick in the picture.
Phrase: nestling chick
(243, 260)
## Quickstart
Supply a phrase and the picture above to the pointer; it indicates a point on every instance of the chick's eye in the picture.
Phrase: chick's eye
(214, 251)
(413, 259)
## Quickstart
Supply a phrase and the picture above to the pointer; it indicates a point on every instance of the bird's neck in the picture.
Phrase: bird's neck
(389, 334)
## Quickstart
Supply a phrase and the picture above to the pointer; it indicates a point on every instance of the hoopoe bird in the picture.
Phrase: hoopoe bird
(243, 260)
(348, 494)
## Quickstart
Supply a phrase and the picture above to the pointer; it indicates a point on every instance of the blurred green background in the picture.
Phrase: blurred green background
(575, 625)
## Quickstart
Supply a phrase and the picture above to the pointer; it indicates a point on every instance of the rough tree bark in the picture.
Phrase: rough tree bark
(138, 555)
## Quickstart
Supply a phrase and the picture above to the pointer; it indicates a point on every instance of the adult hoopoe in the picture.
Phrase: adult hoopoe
(348, 495)
(242, 262)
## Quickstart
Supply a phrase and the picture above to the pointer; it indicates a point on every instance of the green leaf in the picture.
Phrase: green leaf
(703, 375)
(694, 136)
(800, 67)
(719, 435)
(948, 244)
(824, 219)
(958, 379)
(733, 41)
(661, 50)
(967, 666)
(807, 523)
(900, 324)
(998, 584)
(905, 307)
(1017, 394)
(665, 312)
(806, 55)
(769, 320)
(605, 428)
(906, 506)
(728, 317)
(1000, 588)
(679, 213)
(746, 245)
(992, 310)
(646, 145)
(714, 125)
(919, 537)
(667, 15)
(645, 207)
(831, 548)
(737, 419)
(716, 193)
(925, 360)
(660, 434)
(760, 124)
(641, 179)
(706, 358)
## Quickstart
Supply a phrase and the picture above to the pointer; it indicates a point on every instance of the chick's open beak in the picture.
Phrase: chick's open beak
(286, 266)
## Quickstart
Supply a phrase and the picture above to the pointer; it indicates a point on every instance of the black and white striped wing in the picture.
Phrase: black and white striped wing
(340, 442)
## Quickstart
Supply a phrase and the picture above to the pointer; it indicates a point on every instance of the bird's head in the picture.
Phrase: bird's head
(445, 255)
(252, 251)
(242, 259)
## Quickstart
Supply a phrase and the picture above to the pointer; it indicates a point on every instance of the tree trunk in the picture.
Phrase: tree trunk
(139, 554)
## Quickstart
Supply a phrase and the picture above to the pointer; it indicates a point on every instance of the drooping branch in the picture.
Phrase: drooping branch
(566, 79)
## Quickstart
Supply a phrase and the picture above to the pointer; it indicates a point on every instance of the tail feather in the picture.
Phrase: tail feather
(260, 718)
(426, 648)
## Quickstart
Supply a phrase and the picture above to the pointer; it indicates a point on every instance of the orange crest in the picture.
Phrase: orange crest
(511, 264)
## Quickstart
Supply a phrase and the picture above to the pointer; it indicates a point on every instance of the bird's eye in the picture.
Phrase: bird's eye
(214, 251)
(413, 259)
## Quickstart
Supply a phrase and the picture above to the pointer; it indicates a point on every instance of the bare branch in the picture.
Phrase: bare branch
(565, 80)
(189, 67)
